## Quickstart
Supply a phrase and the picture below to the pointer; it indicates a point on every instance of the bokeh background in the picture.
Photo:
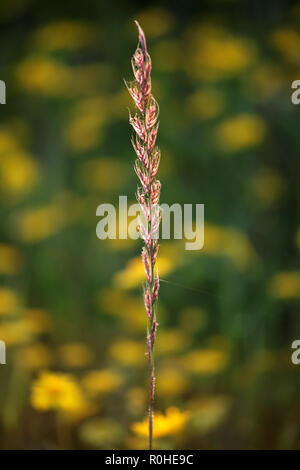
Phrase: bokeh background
(71, 312)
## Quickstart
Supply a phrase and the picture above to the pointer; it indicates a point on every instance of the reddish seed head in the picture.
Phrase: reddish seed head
(142, 39)
(146, 265)
(155, 192)
(151, 114)
(145, 236)
(139, 127)
(152, 138)
(154, 164)
(153, 332)
(155, 288)
(141, 152)
(145, 125)
(147, 302)
(155, 247)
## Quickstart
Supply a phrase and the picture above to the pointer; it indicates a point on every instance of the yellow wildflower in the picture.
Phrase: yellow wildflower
(227, 241)
(128, 352)
(56, 390)
(44, 76)
(205, 361)
(18, 173)
(14, 333)
(216, 54)
(83, 410)
(65, 35)
(128, 308)
(237, 246)
(9, 301)
(84, 132)
(38, 223)
(171, 341)
(101, 381)
(172, 382)
(171, 423)
(117, 302)
(205, 104)
(240, 133)
(134, 273)
(285, 285)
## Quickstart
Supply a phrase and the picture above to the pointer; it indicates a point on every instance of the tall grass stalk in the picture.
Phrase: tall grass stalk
(145, 125)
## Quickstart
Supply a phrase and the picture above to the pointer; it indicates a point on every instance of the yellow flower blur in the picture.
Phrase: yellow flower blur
(134, 273)
(56, 390)
(205, 104)
(44, 76)
(19, 173)
(39, 223)
(15, 333)
(101, 381)
(128, 352)
(215, 53)
(240, 133)
(65, 35)
(205, 361)
(171, 423)
(9, 301)
(171, 341)
(172, 382)
(227, 241)
(285, 285)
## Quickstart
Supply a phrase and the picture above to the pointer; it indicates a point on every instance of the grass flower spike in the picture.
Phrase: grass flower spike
(145, 125)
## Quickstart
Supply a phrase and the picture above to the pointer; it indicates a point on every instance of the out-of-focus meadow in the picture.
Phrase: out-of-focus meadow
(71, 310)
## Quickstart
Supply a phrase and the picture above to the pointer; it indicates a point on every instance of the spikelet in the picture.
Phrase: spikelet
(145, 125)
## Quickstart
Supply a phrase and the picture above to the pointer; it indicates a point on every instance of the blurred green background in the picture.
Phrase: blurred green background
(71, 311)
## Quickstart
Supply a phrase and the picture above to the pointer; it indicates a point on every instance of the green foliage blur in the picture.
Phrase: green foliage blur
(71, 310)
